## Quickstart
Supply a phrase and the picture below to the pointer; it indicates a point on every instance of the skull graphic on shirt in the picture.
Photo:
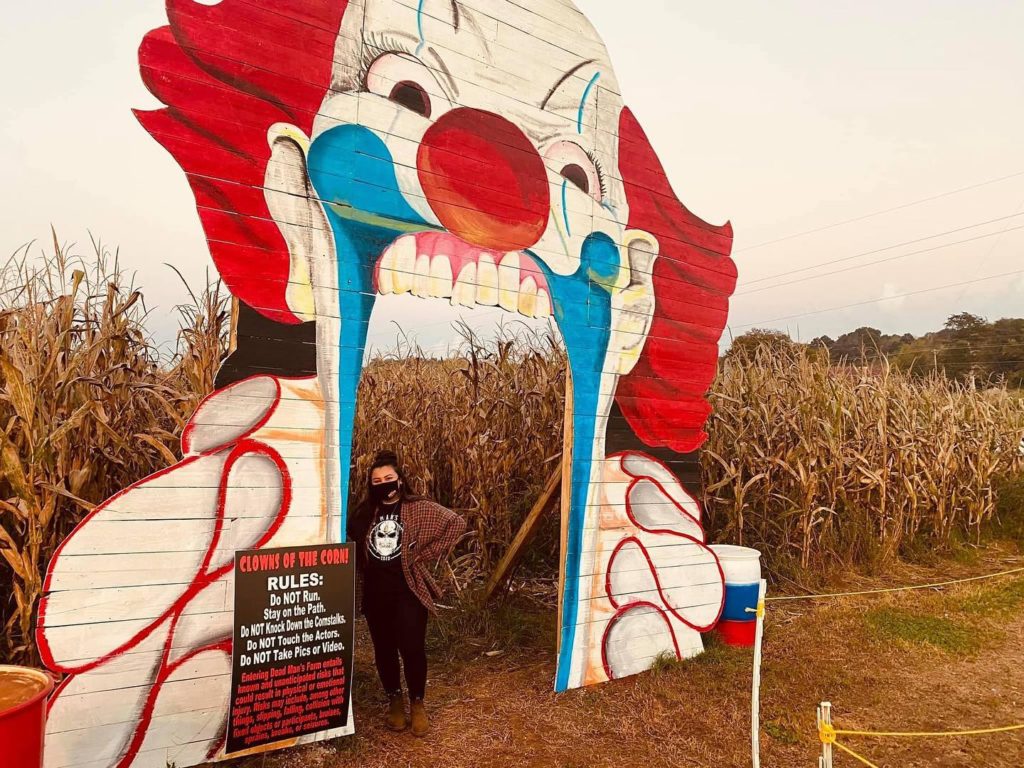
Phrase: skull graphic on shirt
(386, 539)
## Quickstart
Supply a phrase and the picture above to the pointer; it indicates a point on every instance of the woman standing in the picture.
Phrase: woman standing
(398, 538)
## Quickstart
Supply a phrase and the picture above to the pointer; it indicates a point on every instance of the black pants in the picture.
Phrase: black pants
(398, 627)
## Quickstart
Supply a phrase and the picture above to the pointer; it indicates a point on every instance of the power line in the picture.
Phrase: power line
(879, 261)
(880, 213)
(883, 298)
(991, 250)
(886, 248)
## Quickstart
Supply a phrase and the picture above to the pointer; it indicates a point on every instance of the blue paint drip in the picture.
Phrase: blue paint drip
(350, 166)
(583, 101)
(565, 207)
(583, 312)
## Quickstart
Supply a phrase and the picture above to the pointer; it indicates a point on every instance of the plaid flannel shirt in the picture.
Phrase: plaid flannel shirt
(429, 533)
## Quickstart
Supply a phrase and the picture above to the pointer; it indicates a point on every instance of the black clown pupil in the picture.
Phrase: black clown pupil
(574, 174)
(412, 97)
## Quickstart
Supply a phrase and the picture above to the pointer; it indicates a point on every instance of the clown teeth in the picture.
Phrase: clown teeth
(385, 275)
(465, 291)
(440, 277)
(487, 281)
(403, 254)
(528, 297)
(422, 265)
(543, 304)
(508, 282)
(421, 278)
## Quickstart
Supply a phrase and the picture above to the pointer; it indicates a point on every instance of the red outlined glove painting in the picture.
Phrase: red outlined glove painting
(137, 611)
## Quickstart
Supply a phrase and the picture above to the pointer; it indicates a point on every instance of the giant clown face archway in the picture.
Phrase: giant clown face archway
(475, 152)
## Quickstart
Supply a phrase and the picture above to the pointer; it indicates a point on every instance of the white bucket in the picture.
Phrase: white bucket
(741, 565)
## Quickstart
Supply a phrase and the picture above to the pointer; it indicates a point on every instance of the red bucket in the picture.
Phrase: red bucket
(738, 633)
(23, 695)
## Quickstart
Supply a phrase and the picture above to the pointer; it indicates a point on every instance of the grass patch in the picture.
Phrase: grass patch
(890, 624)
(665, 661)
(718, 654)
(781, 732)
(506, 626)
(995, 600)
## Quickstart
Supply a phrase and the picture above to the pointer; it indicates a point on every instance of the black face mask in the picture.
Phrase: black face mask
(380, 492)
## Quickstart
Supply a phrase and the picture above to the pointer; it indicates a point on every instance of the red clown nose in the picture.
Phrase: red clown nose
(484, 180)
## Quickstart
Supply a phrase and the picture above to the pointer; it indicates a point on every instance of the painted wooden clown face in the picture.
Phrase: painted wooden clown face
(475, 152)
(460, 158)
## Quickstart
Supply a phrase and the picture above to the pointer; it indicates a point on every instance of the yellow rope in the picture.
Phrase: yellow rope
(895, 589)
(929, 734)
(863, 760)
(828, 733)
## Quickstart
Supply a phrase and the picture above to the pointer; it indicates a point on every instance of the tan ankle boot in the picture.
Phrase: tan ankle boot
(420, 723)
(396, 713)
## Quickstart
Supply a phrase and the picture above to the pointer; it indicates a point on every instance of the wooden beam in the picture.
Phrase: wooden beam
(233, 332)
(567, 437)
(523, 536)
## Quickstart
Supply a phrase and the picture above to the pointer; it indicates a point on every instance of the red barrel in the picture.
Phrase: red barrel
(23, 695)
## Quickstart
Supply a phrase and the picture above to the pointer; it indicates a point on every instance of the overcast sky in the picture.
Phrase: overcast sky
(783, 117)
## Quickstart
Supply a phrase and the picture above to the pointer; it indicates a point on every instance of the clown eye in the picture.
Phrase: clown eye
(576, 175)
(404, 80)
(570, 161)
(412, 97)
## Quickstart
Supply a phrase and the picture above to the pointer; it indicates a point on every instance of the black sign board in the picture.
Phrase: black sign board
(292, 650)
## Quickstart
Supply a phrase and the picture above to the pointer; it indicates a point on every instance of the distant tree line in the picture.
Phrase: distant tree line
(968, 347)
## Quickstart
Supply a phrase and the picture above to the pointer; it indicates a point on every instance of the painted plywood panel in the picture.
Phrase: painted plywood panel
(473, 152)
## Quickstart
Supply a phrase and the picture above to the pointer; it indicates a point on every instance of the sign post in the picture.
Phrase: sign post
(292, 650)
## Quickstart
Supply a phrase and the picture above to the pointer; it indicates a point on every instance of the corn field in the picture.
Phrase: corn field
(816, 465)
(820, 465)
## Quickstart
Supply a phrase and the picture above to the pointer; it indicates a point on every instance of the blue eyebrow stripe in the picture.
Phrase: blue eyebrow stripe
(583, 101)
(419, 21)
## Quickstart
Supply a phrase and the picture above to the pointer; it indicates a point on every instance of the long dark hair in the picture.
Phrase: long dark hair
(366, 506)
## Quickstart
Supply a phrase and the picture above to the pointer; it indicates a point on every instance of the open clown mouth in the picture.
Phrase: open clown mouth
(442, 265)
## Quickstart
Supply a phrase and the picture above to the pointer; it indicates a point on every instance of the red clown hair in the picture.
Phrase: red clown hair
(663, 397)
(228, 72)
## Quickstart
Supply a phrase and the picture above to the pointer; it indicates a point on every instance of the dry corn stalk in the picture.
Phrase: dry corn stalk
(86, 408)
(814, 463)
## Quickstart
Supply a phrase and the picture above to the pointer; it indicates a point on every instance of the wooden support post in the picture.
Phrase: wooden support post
(233, 329)
(567, 435)
(525, 533)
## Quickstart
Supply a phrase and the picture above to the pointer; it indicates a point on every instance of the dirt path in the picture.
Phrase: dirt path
(914, 661)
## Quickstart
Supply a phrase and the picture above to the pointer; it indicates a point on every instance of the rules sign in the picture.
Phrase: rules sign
(292, 650)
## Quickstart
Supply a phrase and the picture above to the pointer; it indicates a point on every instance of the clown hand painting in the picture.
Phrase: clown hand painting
(475, 152)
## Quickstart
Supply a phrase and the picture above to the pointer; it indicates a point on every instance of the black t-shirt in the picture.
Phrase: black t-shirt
(384, 549)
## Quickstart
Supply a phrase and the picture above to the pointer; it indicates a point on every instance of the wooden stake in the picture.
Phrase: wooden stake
(567, 434)
(523, 536)
(233, 333)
